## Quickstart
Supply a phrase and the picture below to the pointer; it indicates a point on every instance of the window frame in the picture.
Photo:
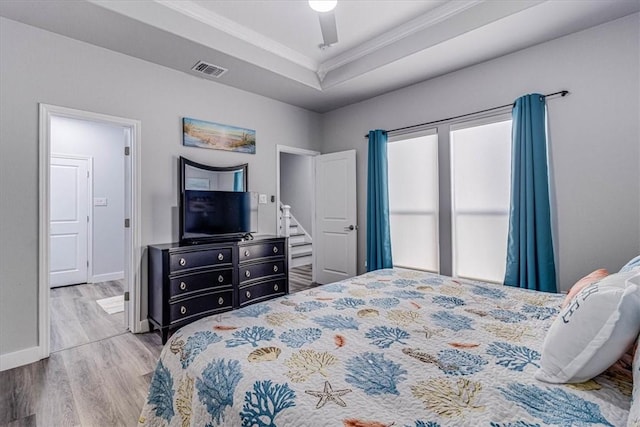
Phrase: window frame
(445, 203)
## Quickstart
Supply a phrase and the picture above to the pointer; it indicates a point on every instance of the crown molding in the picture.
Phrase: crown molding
(219, 22)
(429, 19)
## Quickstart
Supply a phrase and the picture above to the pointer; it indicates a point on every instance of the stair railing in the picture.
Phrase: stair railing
(286, 221)
(286, 218)
(286, 229)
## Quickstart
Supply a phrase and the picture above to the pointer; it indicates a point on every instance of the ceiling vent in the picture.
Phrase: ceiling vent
(209, 69)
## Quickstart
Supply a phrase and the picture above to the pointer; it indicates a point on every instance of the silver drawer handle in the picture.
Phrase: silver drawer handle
(183, 262)
(183, 309)
(220, 257)
(275, 250)
(247, 273)
(183, 286)
(220, 278)
(220, 301)
(275, 287)
(247, 253)
(275, 268)
(248, 294)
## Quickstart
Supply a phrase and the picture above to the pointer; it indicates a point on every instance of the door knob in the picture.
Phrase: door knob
(350, 228)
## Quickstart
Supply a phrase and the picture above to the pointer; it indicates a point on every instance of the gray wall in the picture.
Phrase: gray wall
(105, 144)
(296, 184)
(594, 137)
(40, 67)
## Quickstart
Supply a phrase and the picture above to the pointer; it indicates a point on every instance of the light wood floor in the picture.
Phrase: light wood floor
(100, 374)
(300, 278)
(103, 383)
(76, 317)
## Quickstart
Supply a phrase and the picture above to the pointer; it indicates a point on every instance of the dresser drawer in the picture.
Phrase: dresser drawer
(188, 283)
(262, 250)
(262, 291)
(200, 305)
(261, 270)
(195, 259)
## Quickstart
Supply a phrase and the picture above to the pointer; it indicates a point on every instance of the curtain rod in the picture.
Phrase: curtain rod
(561, 93)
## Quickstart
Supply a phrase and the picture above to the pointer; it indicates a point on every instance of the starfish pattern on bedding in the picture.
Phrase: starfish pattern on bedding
(328, 394)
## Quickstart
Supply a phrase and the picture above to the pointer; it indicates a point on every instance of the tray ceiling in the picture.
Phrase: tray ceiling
(272, 47)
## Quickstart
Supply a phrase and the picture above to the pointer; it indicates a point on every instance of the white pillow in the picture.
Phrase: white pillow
(631, 265)
(634, 412)
(593, 331)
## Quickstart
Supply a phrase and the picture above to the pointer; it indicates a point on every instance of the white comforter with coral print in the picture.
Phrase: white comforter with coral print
(391, 347)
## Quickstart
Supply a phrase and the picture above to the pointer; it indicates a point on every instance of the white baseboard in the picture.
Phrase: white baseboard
(33, 354)
(20, 358)
(142, 327)
(98, 278)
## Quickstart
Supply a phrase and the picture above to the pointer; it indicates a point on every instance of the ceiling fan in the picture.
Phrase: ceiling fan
(327, 21)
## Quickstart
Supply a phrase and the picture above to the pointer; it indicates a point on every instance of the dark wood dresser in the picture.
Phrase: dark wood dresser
(189, 282)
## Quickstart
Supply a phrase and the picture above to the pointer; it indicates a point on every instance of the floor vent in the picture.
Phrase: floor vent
(208, 69)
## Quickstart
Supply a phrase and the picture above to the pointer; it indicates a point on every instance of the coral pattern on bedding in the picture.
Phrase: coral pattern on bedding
(389, 348)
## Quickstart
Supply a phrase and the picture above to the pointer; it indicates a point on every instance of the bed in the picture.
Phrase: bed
(392, 347)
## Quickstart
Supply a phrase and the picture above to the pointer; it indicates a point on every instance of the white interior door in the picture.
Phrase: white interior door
(336, 233)
(69, 192)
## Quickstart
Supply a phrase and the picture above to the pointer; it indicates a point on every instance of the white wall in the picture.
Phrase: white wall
(105, 145)
(40, 67)
(594, 136)
(296, 180)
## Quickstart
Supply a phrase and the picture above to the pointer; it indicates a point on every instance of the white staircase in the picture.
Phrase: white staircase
(300, 242)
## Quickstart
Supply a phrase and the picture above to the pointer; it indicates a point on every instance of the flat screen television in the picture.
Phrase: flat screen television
(217, 215)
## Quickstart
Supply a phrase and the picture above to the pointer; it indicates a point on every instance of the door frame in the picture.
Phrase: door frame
(133, 251)
(301, 152)
(89, 160)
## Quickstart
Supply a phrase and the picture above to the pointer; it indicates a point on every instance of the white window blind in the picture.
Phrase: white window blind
(413, 202)
(480, 165)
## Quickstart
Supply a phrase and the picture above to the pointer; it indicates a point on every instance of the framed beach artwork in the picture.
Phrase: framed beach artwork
(198, 133)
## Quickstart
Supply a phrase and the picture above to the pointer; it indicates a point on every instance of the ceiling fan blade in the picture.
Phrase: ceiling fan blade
(328, 28)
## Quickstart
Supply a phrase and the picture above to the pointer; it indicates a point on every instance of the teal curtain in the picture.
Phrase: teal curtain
(530, 260)
(378, 231)
(238, 181)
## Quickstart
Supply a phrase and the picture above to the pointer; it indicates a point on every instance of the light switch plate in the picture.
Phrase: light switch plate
(99, 201)
(262, 199)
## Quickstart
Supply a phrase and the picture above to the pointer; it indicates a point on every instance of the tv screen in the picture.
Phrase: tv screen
(211, 214)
